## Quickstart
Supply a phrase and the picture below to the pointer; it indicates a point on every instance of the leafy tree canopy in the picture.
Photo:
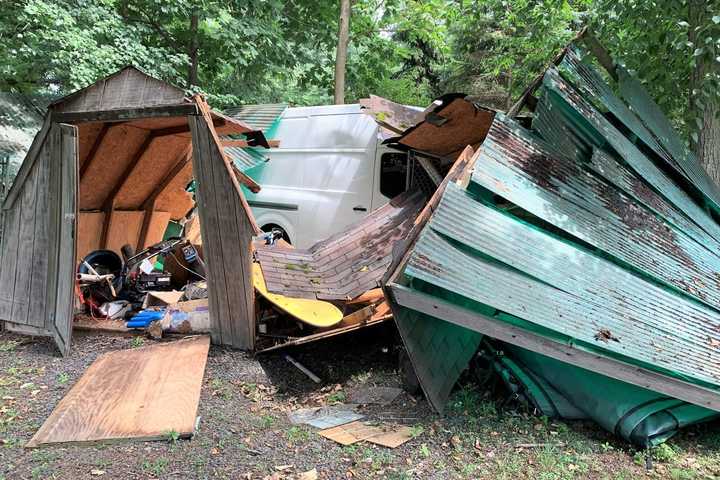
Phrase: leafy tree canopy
(408, 50)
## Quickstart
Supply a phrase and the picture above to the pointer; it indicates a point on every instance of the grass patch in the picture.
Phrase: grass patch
(172, 436)
(157, 467)
(63, 378)
(337, 397)
(9, 345)
(137, 342)
(297, 435)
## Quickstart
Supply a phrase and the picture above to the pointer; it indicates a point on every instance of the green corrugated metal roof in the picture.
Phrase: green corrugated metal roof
(246, 158)
(261, 116)
(575, 234)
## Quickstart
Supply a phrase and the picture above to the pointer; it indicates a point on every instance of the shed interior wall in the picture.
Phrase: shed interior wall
(130, 171)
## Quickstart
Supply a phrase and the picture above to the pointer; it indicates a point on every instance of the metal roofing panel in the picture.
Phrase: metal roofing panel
(261, 116)
(246, 158)
(591, 84)
(556, 189)
(608, 167)
(564, 101)
(640, 101)
(486, 255)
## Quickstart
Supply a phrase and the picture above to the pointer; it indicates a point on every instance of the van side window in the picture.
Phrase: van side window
(393, 173)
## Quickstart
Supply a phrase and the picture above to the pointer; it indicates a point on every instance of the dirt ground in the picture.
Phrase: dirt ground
(244, 432)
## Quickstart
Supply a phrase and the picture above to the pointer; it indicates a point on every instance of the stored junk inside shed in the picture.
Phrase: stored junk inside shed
(109, 171)
(577, 259)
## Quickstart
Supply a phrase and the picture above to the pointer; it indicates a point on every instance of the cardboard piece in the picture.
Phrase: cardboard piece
(160, 299)
(392, 438)
(350, 433)
(385, 435)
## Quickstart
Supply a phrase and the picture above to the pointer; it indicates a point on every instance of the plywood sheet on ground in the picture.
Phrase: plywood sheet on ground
(138, 394)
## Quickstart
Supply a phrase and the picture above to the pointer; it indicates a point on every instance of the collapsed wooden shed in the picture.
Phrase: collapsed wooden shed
(110, 167)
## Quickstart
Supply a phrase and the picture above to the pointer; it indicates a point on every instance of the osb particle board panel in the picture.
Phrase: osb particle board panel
(124, 229)
(156, 228)
(174, 198)
(87, 134)
(117, 149)
(465, 125)
(157, 161)
(90, 226)
(138, 394)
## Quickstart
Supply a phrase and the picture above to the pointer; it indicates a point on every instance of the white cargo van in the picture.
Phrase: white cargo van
(329, 171)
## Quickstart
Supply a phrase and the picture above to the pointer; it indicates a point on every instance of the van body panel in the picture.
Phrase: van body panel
(326, 166)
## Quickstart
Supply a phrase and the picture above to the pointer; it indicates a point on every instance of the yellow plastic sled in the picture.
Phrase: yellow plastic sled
(313, 312)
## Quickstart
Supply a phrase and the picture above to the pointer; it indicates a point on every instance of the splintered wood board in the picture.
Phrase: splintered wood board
(137, 394)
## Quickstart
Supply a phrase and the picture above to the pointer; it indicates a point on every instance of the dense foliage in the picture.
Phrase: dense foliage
(241, 51)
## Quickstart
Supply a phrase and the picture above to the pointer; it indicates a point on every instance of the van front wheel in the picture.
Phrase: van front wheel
(274, 227)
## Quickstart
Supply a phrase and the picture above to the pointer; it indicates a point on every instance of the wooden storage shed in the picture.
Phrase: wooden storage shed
(109, 167)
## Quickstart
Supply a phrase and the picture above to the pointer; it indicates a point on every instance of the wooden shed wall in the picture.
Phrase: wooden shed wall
(36, 280)
(227, 234)
(128, 88)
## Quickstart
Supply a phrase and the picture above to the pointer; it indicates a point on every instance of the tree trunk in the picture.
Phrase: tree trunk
(193, 50)
(341, 54)
(707, 146)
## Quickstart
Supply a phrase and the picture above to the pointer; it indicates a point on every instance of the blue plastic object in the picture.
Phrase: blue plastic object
(145, 318)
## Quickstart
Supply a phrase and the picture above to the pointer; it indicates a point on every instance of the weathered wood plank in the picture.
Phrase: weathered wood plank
(497, 329)
(54, 212)
(226, 237)
(68, 219)
(209, 225)
(38, 312)
(10, 241)
(25, 268)
(122, 115)
(37, 144)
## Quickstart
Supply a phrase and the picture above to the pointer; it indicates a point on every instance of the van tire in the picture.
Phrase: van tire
(269, 228)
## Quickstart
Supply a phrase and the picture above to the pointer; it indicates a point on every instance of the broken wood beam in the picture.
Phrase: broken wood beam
(244, 143)
(303, 369)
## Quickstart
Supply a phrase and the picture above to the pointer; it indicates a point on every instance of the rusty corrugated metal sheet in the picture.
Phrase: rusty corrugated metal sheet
(563, 193)
(573, 234)
(569, 106)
